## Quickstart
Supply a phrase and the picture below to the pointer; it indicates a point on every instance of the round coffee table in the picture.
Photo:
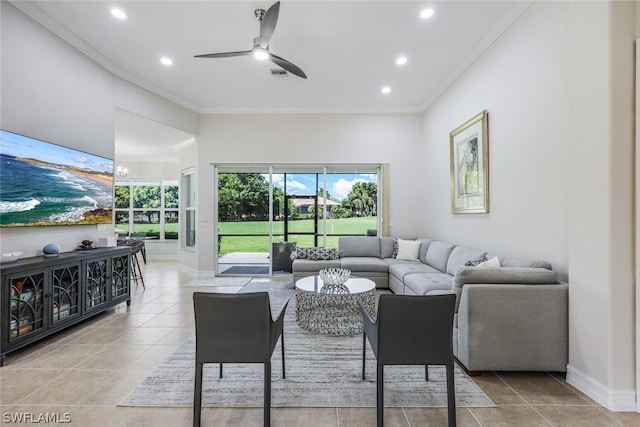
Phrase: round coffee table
(332, 310)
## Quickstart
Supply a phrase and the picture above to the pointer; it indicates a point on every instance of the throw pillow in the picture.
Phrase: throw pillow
(408, 249)
(315, 254)
(395, 249)
(493, 262)
(475, 262)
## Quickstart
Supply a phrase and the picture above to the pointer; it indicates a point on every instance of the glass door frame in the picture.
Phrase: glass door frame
(323, 170)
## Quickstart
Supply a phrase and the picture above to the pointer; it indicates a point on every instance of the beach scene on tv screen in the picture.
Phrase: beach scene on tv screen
(47, 184)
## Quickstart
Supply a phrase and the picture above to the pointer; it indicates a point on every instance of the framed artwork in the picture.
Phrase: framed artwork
(469, 157)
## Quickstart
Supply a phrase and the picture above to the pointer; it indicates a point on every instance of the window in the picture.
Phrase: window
(149, 208)
(188, 183)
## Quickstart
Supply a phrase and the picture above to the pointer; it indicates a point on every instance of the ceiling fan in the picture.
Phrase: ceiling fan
(260, 49)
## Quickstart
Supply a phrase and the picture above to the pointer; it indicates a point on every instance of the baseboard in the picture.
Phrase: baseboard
(161, 257)
(613, 400)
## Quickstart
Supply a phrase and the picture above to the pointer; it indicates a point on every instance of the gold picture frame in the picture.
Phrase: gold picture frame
(469, 157)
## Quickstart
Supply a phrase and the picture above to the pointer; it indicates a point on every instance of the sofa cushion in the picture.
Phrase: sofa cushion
(424, 245)
(359, 246)
(386, 247)
(315, 253)
(307, 265)
(523, 262)
(364, 264)
(408, 250)
(501, 276)
(459, 257)
(438, 254)
(400, 268)
(421, 283)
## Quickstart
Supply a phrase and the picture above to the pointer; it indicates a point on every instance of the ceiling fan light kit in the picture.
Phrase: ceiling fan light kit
(268, 20)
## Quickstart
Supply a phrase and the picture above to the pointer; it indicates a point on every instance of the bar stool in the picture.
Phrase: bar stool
(137, 246)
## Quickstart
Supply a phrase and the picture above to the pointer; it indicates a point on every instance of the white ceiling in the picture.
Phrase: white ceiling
(346, 48)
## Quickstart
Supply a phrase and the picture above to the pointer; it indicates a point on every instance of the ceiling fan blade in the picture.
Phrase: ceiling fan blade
(224, 54)
(268, 24)
(290, 67)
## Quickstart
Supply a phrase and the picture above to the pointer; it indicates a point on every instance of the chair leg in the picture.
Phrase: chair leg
(426, 372)
(380, 395)
(220, 369)
(267, 394)
(139, 272)
(197, 396)
(364, 351)
(282, 343)
(451, 396)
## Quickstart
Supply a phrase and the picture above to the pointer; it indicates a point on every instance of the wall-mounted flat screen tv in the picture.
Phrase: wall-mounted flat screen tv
(47, 184)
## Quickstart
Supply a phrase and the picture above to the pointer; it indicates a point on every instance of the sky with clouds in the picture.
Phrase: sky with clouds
(338, 184)
(16, 145)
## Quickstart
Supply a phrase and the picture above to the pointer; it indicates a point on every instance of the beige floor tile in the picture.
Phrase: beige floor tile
(150, 308)
(577, 416)
(497, 390)
(439, 417)
(17, 383)
(125, 344)
(65, 357)
(164, 320)
(115, 356)
(132, 320)
(177, 336)
(231, 417)
(117, 387)
(100, 416)
(71, 388)
(143, 335)
(295, 417)
(163, 417)
(153, 357)
(509, 416)
(627, 419)
(362, 417)
(539, 388)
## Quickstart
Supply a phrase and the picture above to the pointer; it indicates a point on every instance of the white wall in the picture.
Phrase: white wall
(601, 318)
(53, 92)
(521, 81)
(43, 97)
(558, 86)
(315, 139)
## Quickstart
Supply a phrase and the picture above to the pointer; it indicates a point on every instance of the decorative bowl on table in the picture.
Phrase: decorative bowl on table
(10, 257)
(334, 276)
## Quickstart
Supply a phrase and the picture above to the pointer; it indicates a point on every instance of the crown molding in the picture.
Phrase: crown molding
(35, 13)
(486, 43)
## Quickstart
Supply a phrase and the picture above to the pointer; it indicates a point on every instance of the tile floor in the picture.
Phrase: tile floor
(81, 374)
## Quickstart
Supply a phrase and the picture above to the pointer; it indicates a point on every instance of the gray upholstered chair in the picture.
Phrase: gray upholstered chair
(236, 328)
(411, 330)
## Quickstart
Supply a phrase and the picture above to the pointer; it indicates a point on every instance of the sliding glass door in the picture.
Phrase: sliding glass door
(262, 211)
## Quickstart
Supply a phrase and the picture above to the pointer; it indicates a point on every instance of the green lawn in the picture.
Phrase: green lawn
(340, 226)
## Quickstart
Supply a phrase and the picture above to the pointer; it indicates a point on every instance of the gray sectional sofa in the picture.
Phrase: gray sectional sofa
(508, 318)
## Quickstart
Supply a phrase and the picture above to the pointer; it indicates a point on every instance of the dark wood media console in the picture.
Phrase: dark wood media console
(41, 295)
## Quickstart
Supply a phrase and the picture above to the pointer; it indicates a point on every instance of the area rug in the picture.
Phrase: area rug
(219, 281)
(322, 371)
(247, 269)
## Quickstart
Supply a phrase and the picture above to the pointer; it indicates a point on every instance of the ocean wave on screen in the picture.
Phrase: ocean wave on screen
(70, 180)
(90, 200)
(72, 215)
(6, 207)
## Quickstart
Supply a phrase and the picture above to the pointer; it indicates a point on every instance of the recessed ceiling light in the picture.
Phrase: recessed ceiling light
(166, 61)
(427, 13)
(401, 60)
(118, 13)
(386, 90)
